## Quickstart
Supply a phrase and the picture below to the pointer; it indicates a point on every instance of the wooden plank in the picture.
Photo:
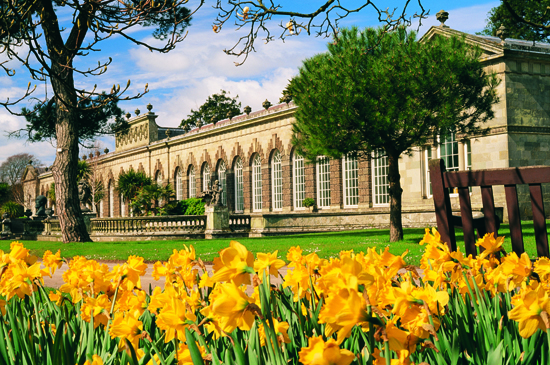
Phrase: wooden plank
(539, 220)
(509, 176)
(442, 204)
(467, 221)
(489, 210)
(514, 218)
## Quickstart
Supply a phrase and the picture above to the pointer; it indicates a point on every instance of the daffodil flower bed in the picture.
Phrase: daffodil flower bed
(360, 308)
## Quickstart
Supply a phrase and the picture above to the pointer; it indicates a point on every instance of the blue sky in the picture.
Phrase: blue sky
(182, 79)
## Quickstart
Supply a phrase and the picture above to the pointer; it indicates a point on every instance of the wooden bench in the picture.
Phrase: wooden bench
(443, 180)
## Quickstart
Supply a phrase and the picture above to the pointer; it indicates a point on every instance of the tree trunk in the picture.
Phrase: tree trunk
(65, 166)
(396, 192)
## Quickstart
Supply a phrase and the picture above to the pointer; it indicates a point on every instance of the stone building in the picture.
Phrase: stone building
(252, 156)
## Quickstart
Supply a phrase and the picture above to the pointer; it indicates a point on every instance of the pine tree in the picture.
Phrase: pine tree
(374, 92)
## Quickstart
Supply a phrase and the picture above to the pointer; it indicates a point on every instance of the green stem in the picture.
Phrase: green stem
(387, 353)
(106, 338)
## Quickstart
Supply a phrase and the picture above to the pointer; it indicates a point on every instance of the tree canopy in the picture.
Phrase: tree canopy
(388, 93)
(528, 20)
(106, 118)
(217, 107)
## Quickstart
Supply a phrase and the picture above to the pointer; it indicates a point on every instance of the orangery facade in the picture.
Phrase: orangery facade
(261, 174)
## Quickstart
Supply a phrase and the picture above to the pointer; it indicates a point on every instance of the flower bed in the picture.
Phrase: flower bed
(359, 308)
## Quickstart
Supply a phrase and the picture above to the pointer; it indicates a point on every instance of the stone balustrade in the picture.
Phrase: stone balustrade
(137, 226)
(239, 223)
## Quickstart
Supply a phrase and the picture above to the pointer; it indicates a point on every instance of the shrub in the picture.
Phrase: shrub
(195, 206)
(308, 202)
(13, 209)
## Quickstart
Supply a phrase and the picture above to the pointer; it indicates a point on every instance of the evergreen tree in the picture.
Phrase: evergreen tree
(217, 107)
(517, 25)
(388, 93)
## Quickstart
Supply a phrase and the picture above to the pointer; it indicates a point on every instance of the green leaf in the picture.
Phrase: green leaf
(193, 349)
(495, 356)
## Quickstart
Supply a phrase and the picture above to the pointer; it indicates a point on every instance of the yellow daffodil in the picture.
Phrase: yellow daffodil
(269, 263)
(279, 328)
(96, 360)
(319, 352)
(528, 310)
(126, 327)
(490, 244)
(235, 264)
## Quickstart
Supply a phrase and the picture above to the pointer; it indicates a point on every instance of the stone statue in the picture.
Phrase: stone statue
(84, 193)
(41, 205)
(216, 192)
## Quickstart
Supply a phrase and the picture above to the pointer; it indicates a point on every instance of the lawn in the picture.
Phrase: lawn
(324, 244)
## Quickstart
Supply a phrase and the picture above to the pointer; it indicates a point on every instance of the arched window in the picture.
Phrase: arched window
(222, 181)
(239, 187)
(122, 206)
(192, 186)
(380, 185)
(158, 178)
(179, 185)
(299, 181)
(323, 182)
(111, 199)
(277, 181)
(205, 177)
(351, 181)
(257, 184)
(100, 213)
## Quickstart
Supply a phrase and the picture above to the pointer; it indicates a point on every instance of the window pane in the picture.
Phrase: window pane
(206, 177)
(192, 186)
(351, 181)
(239, 188)
(380, 179)
(222, 181)
(257, 184)
(299, 181)
(277, 181)
(323, 182)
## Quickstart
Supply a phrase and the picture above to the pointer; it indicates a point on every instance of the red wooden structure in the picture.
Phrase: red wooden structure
(442, 180)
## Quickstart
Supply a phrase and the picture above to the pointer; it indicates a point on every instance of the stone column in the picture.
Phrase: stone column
(217, 222)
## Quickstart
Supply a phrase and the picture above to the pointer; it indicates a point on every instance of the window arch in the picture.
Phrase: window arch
(206, 176)
(323, 182)
(298, 181)
(158, 178)
(351, 181)
(257, 184)
(277, 181)
(122, 206)
(111, 199)
(191, 181)
(223, 181)
(179, 184)
(239, 187)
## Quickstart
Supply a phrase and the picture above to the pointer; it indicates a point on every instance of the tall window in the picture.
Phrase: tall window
(351, 181)
(239, 187)
(222, 181)
(427, 157)
(449, 152)
(323, 182)
(380, 185)
(100, 213)
(192, 186)
(111, 199)
(205, 177)
(257, 184)
(277, 181)
(179, 185)
(122, 206)
(158, 178)
(299, 181)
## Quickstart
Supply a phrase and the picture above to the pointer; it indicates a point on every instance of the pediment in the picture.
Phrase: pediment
(30, 173)
(488, 45)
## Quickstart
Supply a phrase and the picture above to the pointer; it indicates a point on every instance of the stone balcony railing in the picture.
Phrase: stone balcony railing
(163, 225)
(239, 223)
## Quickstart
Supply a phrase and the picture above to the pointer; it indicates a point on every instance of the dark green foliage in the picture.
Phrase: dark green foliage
(95, 117)
(532, 10)
(13, 209)
(195, 206)
(374, 91)
(50, 194)
(308, 202)
(215, 108)
(83, 170)
(130, 183)
(5, 193)
(152, 199)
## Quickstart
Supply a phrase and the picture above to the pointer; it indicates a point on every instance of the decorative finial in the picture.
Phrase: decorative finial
(442, 16)
(502, 33)
(149, 107)
(137, 111)
(229, 114)
(128, 115)
(97, 153)
(247, 110)
(84, 157)
(168, 132)
(30, 162)
(266, 104)
(213, 120)
(287, 98)
(91, 155)
(106, 150)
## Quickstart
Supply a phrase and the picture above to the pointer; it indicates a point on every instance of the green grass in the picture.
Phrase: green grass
(325, 244)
